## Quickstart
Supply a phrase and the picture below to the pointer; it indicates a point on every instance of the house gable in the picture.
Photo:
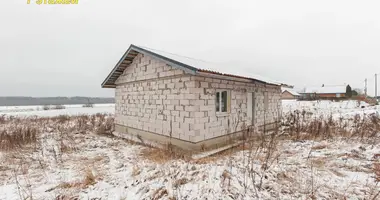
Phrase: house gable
(146, 67)
(128, 58)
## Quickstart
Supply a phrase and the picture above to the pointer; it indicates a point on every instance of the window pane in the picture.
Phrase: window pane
(224, 101)
(217, 102)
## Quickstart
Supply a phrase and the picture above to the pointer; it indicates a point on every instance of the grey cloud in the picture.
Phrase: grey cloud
(69, 50)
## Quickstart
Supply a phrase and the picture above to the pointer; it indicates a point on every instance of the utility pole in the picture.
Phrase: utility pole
(365, 87)
(376, 86)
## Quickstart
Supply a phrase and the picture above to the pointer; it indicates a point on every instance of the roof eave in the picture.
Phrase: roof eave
(116, 67)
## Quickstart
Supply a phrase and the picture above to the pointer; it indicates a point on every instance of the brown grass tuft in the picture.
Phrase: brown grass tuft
(319, 162)
(66, 197)
(226, 175)
(159, 193)
(337, 173)
(136, 171)
(179, 182)
(376, 170)
(89, 179)
(319, 147)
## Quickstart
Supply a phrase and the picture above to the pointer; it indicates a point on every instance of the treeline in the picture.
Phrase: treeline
(31, 101)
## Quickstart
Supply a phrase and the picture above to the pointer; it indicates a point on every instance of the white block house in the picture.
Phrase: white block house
(166, 98)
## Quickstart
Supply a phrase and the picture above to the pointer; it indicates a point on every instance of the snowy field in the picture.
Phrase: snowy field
(69, 110)
(345, 109)
(72, 158)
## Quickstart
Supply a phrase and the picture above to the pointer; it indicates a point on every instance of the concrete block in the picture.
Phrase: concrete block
(192, 108)
(205, 84)
(174, 102)
(199, 114)
(184, 114)
(207, 108)
(184, 102)
(189, 120)
(180, 108)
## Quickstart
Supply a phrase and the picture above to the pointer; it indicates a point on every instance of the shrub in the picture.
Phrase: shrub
(88, 105)
(106, 127)
(59, 107)
(46, 107)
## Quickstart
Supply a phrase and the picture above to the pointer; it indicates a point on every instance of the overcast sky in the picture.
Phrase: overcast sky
(68, 50)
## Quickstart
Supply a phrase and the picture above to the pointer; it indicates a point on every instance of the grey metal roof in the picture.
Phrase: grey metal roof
(189, 65)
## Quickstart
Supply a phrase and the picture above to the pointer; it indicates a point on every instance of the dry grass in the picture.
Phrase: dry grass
(156, 155)
(15, 136)
(300, 125)
(159, 155)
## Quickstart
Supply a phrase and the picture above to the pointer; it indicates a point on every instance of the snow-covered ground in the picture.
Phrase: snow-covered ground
(69, 110)
(91, 166)
(345, 109)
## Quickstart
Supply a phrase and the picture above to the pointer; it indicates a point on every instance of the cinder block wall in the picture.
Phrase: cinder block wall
(155, 97)
(211, 125)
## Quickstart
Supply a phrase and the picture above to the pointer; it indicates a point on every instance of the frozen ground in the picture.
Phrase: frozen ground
(69, 163)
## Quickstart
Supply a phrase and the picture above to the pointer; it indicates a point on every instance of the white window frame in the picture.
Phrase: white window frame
(220, 91)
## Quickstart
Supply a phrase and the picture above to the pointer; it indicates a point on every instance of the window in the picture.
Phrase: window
(221, 99)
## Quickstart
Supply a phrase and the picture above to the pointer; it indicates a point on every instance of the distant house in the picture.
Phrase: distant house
(289, 93)
(167, 98)
(326, 92)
